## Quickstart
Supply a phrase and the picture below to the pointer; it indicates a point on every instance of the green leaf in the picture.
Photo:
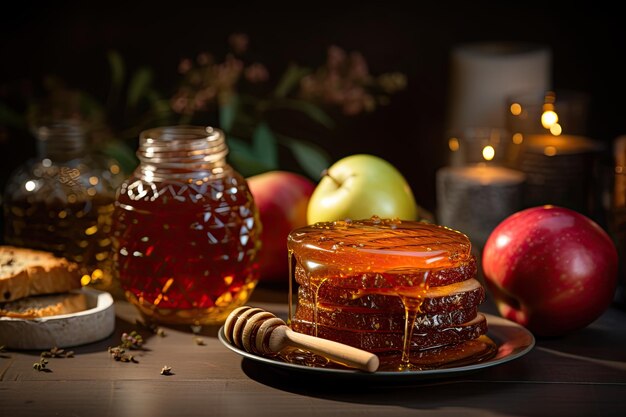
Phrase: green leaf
(227, 113)
(118, 70)
(290, 79)
(246, 165)
(139, 85)
(310, 109)
(239, 146)
(122, 153)
(313, 159)
(243, 159)
(265, 146)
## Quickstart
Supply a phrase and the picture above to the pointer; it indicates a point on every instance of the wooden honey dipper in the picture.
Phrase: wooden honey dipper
(261, 332)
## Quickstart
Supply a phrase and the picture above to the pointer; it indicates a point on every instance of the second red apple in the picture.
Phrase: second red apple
(282, 198)
(550, 269)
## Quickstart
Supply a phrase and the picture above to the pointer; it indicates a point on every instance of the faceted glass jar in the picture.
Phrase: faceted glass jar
(186, 230)
(62, 202)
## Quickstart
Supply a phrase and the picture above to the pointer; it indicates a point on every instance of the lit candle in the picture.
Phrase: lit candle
(559, 170)
(475, 199)
(551, 145)
(486, 175)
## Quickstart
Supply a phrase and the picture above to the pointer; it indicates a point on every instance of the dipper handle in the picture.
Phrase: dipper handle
(283, 336)
(259, 331)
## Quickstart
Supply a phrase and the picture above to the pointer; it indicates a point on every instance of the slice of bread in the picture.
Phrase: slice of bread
(26, 272)
(44, 306)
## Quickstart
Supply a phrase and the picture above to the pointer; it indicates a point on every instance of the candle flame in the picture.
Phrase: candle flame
(488, 152)
(549, 118)
(556, 129)
(453, 144)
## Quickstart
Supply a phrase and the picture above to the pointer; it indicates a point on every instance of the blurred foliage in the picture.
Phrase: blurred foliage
(237, 93)
(36, 103)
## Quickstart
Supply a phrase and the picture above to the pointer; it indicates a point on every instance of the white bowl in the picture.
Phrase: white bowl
(67, 330)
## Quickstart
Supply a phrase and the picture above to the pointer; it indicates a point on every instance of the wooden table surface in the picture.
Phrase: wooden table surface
(583, 374)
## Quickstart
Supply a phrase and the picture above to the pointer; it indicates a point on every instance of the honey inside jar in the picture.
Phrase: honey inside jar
(404, 290)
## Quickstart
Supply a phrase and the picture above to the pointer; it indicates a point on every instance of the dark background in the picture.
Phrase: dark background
(71, 39)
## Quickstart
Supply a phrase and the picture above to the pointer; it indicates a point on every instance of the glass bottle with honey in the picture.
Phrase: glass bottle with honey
(62, 201)
(186, 229)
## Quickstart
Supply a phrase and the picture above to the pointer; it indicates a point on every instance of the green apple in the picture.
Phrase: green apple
(358, 187)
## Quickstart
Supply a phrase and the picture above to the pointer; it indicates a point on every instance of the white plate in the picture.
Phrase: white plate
(513, 341)
(67, 330)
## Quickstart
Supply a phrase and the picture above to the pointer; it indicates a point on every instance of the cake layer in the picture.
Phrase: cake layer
(462, 295)
(354, 318)
(397, 277)
(379, 341)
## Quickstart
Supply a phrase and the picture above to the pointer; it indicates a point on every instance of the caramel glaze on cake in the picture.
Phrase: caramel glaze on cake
(404, 290)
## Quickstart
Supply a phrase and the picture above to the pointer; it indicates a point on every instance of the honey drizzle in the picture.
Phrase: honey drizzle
(412, 307)
(315, 285)
(292, 277)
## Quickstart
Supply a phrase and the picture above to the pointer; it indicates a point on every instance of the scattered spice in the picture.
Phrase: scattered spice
(119, 354)
(129, 341)
(199, 341)
(132, 340)
(166, 370)
(55, 352)
(41, 365)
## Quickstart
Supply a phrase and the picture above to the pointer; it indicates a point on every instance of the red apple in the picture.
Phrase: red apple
(281, 198)
(550, 269)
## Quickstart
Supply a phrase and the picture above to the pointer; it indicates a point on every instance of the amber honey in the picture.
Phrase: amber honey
(350, 269)
(186, 229)
(79, 231)
(185, 263)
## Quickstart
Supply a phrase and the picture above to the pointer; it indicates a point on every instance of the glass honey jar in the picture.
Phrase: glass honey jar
(186, 229)
(62, 201)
